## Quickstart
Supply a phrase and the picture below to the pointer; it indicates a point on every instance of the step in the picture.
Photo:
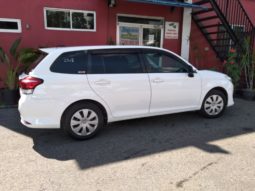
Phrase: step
(215, 32)
(222, 45)
(221, 39)
(202, 11)
(209, 26)
(202, 2)
(207, 18)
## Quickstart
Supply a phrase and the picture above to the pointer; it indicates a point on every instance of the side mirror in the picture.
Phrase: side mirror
(190, 71)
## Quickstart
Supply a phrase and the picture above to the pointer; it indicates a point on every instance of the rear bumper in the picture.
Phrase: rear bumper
(36, 113)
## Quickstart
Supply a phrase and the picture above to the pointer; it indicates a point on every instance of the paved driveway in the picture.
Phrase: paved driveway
(173, 152)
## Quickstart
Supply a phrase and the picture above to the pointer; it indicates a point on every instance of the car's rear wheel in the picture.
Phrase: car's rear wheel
(82, 121)
(214, 104)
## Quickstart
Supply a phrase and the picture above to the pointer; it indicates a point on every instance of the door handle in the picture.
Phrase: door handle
(102, 82)
(157, 80)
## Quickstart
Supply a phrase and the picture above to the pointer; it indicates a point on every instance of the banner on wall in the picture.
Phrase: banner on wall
(171, 30)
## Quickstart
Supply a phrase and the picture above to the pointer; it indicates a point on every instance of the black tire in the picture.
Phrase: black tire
(69, 117)
(205, 109)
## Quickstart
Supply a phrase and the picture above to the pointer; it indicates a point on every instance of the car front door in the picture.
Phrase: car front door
(118, 77)
(172, 88)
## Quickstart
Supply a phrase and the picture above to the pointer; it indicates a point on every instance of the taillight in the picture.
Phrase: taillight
(28, 84)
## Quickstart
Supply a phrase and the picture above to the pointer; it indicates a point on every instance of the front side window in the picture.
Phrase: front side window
(123, 63)
(64, 19)
(10, 25)
(70, 63)
(157, 62)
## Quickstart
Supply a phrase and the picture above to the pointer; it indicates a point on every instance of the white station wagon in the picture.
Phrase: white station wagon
(80, 89)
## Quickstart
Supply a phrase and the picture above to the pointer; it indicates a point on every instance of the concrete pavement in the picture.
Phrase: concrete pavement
(172, 152)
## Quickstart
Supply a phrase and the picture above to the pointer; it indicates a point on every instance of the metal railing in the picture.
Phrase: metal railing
(237, 18)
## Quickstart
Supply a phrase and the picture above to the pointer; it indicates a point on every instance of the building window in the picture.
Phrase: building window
(10, 25)
(66, 19)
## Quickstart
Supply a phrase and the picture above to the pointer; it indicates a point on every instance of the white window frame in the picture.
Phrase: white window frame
(18, 21)
(71, 11)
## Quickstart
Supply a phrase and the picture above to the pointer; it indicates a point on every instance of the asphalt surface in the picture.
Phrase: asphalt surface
(172, 152)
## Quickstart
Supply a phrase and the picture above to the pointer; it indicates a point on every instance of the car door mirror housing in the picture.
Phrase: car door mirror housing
(191, 71)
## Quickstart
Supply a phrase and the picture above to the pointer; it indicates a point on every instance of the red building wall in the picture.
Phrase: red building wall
(249, 6)
(201, 54)
(32, 13)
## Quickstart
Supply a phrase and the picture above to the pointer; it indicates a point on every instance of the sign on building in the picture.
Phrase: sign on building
(171, 30)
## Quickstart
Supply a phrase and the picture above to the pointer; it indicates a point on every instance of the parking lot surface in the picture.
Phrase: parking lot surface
(171, 152)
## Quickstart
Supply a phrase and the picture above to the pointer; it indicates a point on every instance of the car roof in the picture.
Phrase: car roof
(77, 48)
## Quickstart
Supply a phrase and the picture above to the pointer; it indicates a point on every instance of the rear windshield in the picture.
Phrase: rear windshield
(33, 65)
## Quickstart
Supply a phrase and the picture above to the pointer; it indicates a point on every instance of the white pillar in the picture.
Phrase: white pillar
(186, 29)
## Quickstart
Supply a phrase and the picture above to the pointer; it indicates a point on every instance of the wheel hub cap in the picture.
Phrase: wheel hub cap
(214, 105)
(84, 122)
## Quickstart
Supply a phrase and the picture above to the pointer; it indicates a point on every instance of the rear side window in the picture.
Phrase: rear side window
(36, 60)
(70, 63)
(122, 63)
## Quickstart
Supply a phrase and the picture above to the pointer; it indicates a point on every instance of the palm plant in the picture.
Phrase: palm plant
(248, 64)
(17, 61)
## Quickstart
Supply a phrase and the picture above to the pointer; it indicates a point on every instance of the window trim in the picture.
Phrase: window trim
(116, 51)
(163, 53)
(71, 11)
(19, 30)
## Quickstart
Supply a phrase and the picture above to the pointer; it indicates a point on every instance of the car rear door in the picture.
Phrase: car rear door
(118, 77)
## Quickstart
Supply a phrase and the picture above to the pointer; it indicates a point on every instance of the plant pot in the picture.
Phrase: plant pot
(238, 93)
(10, 97)
(248, 94)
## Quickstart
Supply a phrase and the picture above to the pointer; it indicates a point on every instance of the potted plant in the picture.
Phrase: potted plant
(16, 62)
(248, 68)
(232, 68)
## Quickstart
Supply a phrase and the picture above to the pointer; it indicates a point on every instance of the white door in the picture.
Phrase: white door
(139, 34)
(119, 79)
(172, 89)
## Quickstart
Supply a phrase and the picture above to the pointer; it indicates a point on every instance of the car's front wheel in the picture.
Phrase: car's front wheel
(214, 104)
(82, 121)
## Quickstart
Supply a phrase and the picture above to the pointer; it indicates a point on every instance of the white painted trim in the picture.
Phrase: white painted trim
(186, 30)
(18, 21)
(71, 11)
